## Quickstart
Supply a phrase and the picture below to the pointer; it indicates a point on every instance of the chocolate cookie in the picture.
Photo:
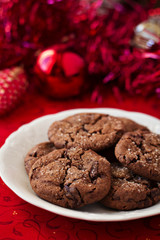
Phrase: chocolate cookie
(130, 125)
(140, 152)
(36, 152)
(90, 131)
(71, 178)
(129, 191)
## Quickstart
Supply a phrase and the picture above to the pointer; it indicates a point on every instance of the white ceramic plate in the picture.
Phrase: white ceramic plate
(13, 173)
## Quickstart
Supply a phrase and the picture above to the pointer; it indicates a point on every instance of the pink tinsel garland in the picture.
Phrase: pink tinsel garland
(101, 31)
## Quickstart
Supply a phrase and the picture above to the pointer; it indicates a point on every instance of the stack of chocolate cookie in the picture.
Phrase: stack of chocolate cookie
(92, 157)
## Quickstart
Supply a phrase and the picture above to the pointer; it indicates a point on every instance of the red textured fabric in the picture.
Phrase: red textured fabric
(20, 220)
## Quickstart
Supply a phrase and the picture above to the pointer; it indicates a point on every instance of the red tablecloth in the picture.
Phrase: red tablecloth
(21, 220)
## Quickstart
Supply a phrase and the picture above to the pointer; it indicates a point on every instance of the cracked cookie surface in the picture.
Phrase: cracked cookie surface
(129, 191)
(71, 178)
(90, 131)
(140, 152)
(36, 152)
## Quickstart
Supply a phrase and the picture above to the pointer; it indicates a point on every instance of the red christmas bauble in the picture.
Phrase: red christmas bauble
(60, 72)
(13, 84)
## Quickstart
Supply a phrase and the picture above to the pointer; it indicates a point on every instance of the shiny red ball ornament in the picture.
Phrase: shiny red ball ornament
(60, 72)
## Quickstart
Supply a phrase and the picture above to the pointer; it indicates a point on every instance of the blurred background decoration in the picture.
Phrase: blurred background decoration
(68, 47)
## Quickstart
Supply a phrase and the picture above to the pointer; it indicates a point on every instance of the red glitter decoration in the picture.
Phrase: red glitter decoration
(13, 84)
(100, 31)
(61, 73)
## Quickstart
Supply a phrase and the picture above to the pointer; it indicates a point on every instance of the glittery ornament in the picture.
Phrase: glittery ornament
(147, 33)
(13, 84)
(60, 72)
